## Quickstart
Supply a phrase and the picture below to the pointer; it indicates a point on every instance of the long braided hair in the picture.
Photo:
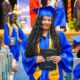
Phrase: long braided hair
(35, 36)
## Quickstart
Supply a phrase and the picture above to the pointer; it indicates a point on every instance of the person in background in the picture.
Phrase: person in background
(44, 36)
(76, 72)
(76, 44)
(6, 8)
(60, 16)
(77, 14)
(13, 35)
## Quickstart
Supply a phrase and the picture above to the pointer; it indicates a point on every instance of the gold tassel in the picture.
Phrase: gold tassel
(37, 73)
(54, 74)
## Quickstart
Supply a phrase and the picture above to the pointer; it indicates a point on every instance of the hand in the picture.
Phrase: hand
(40, 59)
(55, 59)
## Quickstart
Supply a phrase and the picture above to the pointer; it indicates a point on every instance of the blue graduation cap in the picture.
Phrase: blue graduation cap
(10, 15)
(45, 11)
(76, 39)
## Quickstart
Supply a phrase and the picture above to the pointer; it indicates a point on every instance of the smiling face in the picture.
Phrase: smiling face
(46, 22)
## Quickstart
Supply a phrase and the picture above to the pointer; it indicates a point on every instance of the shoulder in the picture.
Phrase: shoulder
(61, 33)
(62, 36)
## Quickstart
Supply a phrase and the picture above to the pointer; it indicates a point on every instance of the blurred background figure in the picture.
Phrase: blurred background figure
(1, 17)
(60, 16)
(76, 72)
(76, 45)
(77, 14)
(6, 8)
(13, 36)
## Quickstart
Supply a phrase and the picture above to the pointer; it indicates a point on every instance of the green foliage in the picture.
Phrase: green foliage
(72, 23)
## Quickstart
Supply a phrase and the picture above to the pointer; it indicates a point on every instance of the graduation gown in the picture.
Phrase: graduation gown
(76, 72)
(15, 49)
(65, 63)
(60, 15)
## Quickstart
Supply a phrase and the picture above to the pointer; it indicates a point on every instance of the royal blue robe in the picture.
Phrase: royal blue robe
(60, 15)
(76, 72)
(15, 49)
(65, 63)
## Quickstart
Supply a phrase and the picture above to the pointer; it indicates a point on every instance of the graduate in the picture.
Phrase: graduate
(60, 16)
(76, 72)
(44, 36)
(12, 34)
(76, 43)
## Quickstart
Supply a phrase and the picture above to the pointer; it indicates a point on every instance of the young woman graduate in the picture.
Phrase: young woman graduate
(76, 45)
(44, 36)
(60, 16)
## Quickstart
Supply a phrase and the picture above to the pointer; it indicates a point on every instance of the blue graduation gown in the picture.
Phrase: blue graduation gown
(76, 72)
(60, 15)
(66, 58)
(15, 49)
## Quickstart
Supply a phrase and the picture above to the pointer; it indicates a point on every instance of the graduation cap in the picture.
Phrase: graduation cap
(45, 11)
(76, 39)
(10, 15)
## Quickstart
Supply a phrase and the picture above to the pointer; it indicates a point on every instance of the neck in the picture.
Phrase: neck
(45, 32)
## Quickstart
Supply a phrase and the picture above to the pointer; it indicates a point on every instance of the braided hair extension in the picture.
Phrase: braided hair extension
(35, 36)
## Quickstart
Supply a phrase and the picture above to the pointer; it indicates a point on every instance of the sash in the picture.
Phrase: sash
(10, 29)
(54, 74)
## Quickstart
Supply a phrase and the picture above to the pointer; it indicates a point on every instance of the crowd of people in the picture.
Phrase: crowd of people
(47, 34)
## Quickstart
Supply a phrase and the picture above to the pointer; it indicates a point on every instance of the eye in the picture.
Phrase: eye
(44, 19)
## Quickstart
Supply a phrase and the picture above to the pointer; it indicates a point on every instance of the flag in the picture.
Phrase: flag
(33, 15)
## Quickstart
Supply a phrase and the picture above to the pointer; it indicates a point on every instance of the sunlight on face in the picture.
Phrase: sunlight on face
(46, 22)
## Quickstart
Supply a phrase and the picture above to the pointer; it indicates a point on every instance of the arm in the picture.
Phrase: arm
(6, 35)
(28, 63)
(21, 34)
(66, 54)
